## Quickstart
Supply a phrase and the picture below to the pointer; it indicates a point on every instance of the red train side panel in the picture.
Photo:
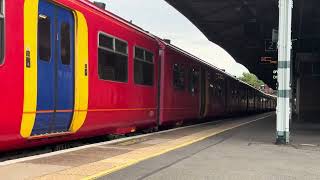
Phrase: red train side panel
(117, 105)
(11, 76)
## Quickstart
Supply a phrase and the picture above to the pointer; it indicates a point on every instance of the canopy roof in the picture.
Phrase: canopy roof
(244, 28)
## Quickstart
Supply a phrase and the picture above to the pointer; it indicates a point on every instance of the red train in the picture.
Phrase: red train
(71, 70)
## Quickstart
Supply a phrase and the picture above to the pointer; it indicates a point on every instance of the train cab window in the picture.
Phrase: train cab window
(1, 32)
(143, 67)
(65, 43)
(44, 38)
(112, 59)
(179, 76)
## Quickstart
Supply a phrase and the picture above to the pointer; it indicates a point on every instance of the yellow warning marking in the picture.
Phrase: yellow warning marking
(132, 141)
(162, 149)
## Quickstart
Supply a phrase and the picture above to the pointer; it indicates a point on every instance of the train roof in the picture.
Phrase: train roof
(193, 57)
(198, 59)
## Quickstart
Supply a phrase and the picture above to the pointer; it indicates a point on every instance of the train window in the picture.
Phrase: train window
(143, 67)
(102, 67)
(65, 43)
(178, 76)
(44, 38)
(219, 85)
(149, 56)
(139, 53)
(121, 47)
(105, 41)
(112, 59)
(218, 88)
(1, 32)
(193, 80)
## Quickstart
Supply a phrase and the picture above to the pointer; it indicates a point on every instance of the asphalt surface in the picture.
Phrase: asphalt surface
(247, 152)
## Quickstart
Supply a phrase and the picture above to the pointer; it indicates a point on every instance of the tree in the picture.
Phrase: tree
(252, 80)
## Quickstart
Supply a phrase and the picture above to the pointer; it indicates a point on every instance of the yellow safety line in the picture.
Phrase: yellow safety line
(135, 161)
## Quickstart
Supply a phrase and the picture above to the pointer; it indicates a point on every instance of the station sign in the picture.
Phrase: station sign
(270, 46)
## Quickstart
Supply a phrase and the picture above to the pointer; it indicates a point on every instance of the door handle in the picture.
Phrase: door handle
(86, 69)
(28, 58)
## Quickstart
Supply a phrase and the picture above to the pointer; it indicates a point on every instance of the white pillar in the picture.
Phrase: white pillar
(284, 64)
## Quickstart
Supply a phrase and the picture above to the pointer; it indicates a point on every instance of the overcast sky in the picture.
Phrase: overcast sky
(161, 19)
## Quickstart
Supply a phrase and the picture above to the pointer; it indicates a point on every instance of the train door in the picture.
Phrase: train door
(55, 88)
(203, 92)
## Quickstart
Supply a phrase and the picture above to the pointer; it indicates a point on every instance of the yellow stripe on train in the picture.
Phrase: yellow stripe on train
(81, 73)
(30, 73)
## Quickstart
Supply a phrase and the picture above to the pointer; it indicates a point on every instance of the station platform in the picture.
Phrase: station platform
(236, 148)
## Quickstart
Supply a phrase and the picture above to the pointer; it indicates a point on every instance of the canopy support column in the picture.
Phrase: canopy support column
(284, 76)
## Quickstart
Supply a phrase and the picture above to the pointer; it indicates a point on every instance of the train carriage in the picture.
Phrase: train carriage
(216, 101)
(179, 86)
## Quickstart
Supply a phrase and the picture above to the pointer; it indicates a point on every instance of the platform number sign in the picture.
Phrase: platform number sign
(270, 46)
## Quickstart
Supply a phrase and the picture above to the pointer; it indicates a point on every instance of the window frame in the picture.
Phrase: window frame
(114, 45)
(144, 61)
(3, 44)
(112, 51)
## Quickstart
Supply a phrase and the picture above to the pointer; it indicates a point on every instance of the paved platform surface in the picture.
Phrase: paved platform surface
(244, 153)
(103, 159)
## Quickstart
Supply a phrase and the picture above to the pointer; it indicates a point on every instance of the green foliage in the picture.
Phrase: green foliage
(252, 80)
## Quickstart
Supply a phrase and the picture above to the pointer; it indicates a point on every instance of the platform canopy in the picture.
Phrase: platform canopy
(244, 28)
